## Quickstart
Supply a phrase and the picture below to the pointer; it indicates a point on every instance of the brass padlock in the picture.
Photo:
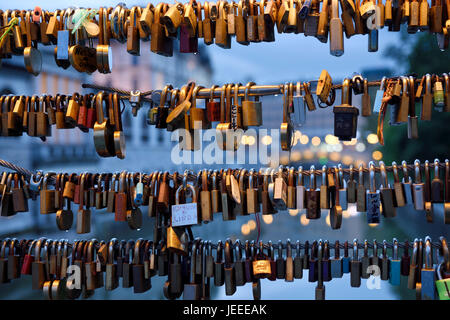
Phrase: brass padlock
(47, 197)
(324, 190)
(322, 26)
(173, 17)
(205, 199)
(286, 129)
(291, 190)
(197, 117)
(223, 38)
(83, 215)
(251, 110)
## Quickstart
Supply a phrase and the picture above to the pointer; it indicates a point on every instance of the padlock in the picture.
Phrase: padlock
(141, 284)
(240, 207)
(280, 191)
(336, 263)
(38, 266)
(373, 198)
(437, 185)
(205, 199)
(325, 191)
(251, 110)
(355, 267)
(312, 197)
(399, 190)
(300, 190)
(266, 201)
(298, 262)
(47, 197)
(112, 279)
(229, 270)
(418, 188)
(345, 115)
(387, 194)
(361, 198)
(413, 267)
(252, 194)
(286, 130)
(428, 275)
(395, 265)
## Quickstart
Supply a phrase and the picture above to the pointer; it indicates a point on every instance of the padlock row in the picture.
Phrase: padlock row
(177, 109)
(192, 199)
(64, 270)
(73, 30)
(35, 116)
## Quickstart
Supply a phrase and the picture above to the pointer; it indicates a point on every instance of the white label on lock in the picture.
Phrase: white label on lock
(184, 214)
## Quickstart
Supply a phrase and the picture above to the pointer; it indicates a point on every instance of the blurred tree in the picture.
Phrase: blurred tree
(418, 54)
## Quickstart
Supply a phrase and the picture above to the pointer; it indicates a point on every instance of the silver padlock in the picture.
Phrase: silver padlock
(135, 101)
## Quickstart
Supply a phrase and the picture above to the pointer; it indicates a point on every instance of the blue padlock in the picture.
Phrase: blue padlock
(395, 266)
(313, 263)
(428, 274)
(346, 259)
(336, 262)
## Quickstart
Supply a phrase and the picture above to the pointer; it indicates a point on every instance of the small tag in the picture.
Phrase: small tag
(184, 214)
(261, 267)
(378, 101)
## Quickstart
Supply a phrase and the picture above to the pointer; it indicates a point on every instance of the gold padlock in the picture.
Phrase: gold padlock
(205, 199)
(47, 197)
(251, 110)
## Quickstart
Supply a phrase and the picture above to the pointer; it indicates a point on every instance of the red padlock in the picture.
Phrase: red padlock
(91, 114)
(213, 107)
(82, 115)
(28, 260)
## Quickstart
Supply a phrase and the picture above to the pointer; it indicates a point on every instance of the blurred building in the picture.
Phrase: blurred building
(73, 150)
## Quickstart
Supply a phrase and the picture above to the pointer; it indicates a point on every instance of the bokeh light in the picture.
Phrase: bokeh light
(372, 138)
(377, 155)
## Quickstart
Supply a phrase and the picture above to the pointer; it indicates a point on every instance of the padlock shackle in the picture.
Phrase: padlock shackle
(383, 174)
(228, 253)
(395, 249)
(361, 174)
(341, 176)
(312, 178)
(436, 168)
(326, 250)
(238, 250)
(324, 175)
(372, 176)
(355, 250)
(219, 253)
(428, 253)
(366, 248)
(300, 179)
(320, 250)
(428, 83)
(445, 253)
